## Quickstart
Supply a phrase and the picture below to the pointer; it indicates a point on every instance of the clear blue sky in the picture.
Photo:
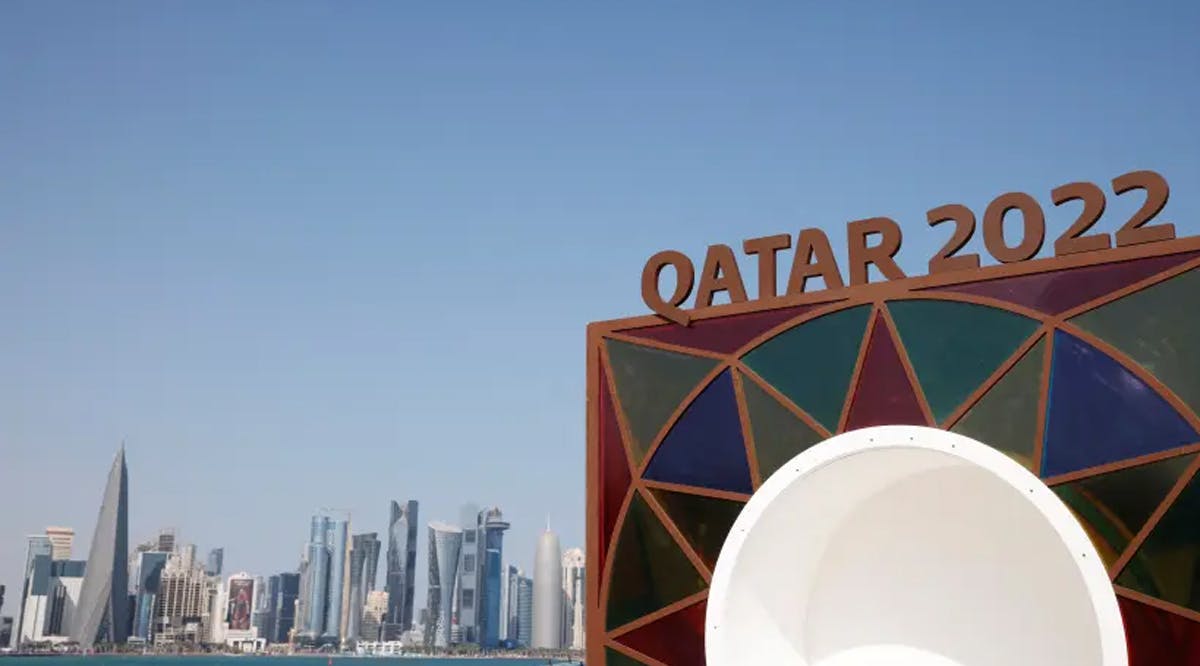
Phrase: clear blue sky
(329, 254)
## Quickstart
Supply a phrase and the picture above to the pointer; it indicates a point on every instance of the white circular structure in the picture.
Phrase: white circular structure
(909, 546)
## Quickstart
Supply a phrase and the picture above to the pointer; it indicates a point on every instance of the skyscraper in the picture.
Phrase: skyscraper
(466, 596)
(103, 614)
(573, 582)
(364, 553)
(401, 569)
(61, 541)
(547, 593)
(524, 611)
(150, 570)
(325, 603)
(445, 547)
(35, 545)
(284, 613)
(491, 550)
(215, 562)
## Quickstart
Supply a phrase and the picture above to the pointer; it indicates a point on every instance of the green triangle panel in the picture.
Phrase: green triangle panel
(650, 385)
(1159, 327)
(614, 658)
(954, 347)
(779, 435)
(811, 364)
(649, 571)
(1113, 507)
(704, 521)
(1167, 565)
(1006, 417)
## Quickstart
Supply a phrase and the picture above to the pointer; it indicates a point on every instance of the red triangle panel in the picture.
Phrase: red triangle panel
(614, 468)
(884, 395)
(1158, 638)
(675, 640)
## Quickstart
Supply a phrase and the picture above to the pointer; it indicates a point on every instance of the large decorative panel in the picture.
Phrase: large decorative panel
(1084, 369)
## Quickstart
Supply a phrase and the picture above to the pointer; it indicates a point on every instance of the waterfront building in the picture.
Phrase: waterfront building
(103, 613)
(35, 545)
(524, 611)
(232, 611)
(166, 540)
(51, 601)
(6, 630)
(284, 611)
(364, 555)
(547, 593)
(325, 603)
(445, 548)
(400, 581)
(149, 578)
(374, 611)
(62, 540)
(466, 597)
(573, 581)
(182, 606)
(215, 562)
(491, 528)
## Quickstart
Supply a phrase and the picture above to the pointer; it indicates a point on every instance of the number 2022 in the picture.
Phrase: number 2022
(1073, 241)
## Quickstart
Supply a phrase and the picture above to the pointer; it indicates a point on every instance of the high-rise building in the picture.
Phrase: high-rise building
(466, 597)
(547, 593)
(524, 611)
(445, 548)
(35, 545)
(51, 601)
(325, 603)
(491, 528)
(182, 605)
(215, 562)
(373, 612)
(284, 613)
(401, 569)
(166, 540)
(149, 579)
(61, 541)
(505, 614)
(573, 582)
(364, 554)
(6, 630)
(104, 600)
(512, 577)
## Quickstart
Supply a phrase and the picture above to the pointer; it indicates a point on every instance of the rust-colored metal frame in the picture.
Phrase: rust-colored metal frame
(823, 302)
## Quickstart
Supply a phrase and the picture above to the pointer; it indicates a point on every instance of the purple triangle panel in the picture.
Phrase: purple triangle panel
(1099, 412)
(723, 335)
(1058, 291)
(705, 447)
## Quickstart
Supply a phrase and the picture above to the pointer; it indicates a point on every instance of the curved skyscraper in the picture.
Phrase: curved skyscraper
(103, 612)
(547, 593)
(401, 570)
(445, 546)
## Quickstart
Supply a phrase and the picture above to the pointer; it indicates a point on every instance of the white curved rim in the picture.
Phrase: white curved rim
(1095, 576)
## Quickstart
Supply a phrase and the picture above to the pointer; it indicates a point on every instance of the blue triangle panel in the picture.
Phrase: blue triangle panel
(1099, 412)
(705, 447)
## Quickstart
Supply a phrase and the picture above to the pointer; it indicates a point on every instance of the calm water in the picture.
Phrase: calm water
(205, 660)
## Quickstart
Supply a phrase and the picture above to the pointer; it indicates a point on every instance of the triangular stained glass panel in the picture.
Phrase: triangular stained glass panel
(1114, 506)
(1056, 292)
(954, 347)
(703, 521)
(884, 395)
(779, 435)
(649, 571)
(1099, 412)
(724, 335)
(1159, 328)
(614, 658)
(812, 363)
(705, 447)
(615, 476)
(675, 640)
(650, 385)
(1158, 638)
(1167, 563)
(1006, 417)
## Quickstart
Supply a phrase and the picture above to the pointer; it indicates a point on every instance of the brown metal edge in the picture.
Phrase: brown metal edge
(665, 346)
(651, 618)
(1039, 437)
(1127, 463)
(852, 390)
(747, 431)
(682, 489)
(679, 410)
(680, 540)
(1154, 602)
(594, 576)
(782, 399)
(628, 652)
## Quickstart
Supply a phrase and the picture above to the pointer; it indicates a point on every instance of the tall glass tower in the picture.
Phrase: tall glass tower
(103, 610)
(547, 593)
(491, 554)
(401, 569)
(445, 548)
(327, 545)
